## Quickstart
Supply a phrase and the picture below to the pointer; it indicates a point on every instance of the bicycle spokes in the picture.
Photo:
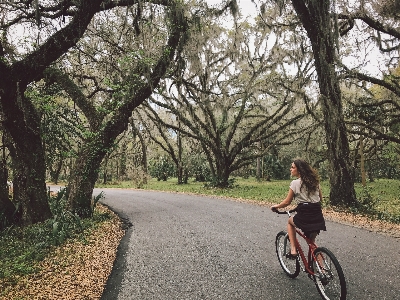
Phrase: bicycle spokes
(290, 266)
(328, 275)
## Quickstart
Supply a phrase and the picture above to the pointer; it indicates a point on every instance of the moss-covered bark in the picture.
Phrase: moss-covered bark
(316, 19)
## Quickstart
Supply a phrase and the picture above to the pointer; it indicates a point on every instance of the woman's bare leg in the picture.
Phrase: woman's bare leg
(292, 236)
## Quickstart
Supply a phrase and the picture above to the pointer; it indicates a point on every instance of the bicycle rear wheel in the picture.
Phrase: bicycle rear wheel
(290, 266)
(329, 277)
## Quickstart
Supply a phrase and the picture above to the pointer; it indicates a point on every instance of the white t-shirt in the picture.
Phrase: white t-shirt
(301, 196)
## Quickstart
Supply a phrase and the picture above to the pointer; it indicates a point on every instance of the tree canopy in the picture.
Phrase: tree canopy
(317, 79)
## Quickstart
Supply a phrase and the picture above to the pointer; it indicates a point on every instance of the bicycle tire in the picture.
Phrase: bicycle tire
(329, 278)
(290, 266)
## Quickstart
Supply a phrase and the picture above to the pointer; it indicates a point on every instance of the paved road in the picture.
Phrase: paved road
(193, 247)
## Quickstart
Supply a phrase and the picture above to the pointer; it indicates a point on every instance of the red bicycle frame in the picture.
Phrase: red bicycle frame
(311, 247)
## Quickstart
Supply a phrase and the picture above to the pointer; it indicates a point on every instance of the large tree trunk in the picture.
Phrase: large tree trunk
(7, 211)
(83, 179)
(7, 208)
(23, 125)
(29, 188)
(315, 17)
(222, 173)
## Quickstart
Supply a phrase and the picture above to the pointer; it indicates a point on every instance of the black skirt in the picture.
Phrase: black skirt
(309, 217)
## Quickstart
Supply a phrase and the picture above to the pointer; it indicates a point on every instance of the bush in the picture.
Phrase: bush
(139, 177)
(162, 169)
(218, 183)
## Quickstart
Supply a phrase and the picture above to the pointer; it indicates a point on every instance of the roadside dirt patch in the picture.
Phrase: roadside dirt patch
(77, 270)
(382, 227)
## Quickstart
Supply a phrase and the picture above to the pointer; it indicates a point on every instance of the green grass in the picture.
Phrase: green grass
(243, 188)
(383, 195)
(251, 189)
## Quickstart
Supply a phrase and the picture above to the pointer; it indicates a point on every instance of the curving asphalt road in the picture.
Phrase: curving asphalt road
(193, 247)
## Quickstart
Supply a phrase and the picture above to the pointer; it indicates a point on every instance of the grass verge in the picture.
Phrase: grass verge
(379, 199)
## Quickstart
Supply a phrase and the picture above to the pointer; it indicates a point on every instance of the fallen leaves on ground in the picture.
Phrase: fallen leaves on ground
(77, 270)
(365, 222)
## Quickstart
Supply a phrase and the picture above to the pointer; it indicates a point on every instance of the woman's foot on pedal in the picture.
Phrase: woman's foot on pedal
(291, 256)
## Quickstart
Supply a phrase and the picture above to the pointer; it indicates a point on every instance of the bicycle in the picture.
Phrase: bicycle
(321, 265)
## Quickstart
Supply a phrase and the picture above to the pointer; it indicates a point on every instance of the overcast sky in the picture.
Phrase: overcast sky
(247, 7)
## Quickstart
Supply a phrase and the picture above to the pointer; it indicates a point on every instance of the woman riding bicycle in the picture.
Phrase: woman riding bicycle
(306, 191)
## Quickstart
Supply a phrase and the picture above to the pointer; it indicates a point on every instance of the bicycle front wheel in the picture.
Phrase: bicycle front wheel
(290, 266)
(329, 277)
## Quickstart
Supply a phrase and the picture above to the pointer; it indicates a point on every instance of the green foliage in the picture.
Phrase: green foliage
(201, 171)
(363, 111)
(194, 164)
(162, 169)
(272, 168)
(366, 202)
(387, 164)
(61, 126)
(220, 183)
(64, 223)
(136, 65)
(275, 168)
(96, 200)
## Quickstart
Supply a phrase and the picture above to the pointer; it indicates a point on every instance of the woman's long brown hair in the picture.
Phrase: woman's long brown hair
(309, 176)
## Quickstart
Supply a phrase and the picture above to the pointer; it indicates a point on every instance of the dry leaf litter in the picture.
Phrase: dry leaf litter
(77, 270)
